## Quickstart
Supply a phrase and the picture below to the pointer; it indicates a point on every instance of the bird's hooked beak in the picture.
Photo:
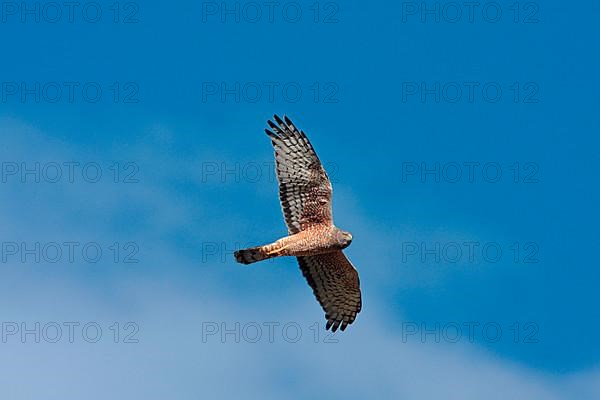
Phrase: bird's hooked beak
(348, 238)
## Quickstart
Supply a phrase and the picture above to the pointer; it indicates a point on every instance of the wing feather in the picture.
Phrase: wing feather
(336, 286)
(304, 188)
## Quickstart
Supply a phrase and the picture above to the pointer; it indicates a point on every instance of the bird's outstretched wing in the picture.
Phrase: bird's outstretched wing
(304, 188)
(336, 286)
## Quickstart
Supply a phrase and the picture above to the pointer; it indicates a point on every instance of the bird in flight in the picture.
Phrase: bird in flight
(305, 195)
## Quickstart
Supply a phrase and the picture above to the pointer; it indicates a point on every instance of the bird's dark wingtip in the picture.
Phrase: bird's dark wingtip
(271, 134)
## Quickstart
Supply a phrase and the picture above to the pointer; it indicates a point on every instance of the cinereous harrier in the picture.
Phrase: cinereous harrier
(305, 195)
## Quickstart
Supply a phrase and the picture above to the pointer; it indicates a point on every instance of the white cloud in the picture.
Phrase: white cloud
(171, 295)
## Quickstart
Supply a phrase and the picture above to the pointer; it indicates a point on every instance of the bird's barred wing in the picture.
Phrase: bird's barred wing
(304, 188)
(336, 286)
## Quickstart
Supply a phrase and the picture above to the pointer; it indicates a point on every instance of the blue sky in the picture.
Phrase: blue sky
(450, 135)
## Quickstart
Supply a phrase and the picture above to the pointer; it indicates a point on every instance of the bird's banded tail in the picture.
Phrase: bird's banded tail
(252, 255)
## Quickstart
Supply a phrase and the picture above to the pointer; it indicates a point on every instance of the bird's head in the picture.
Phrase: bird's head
(344, 238)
